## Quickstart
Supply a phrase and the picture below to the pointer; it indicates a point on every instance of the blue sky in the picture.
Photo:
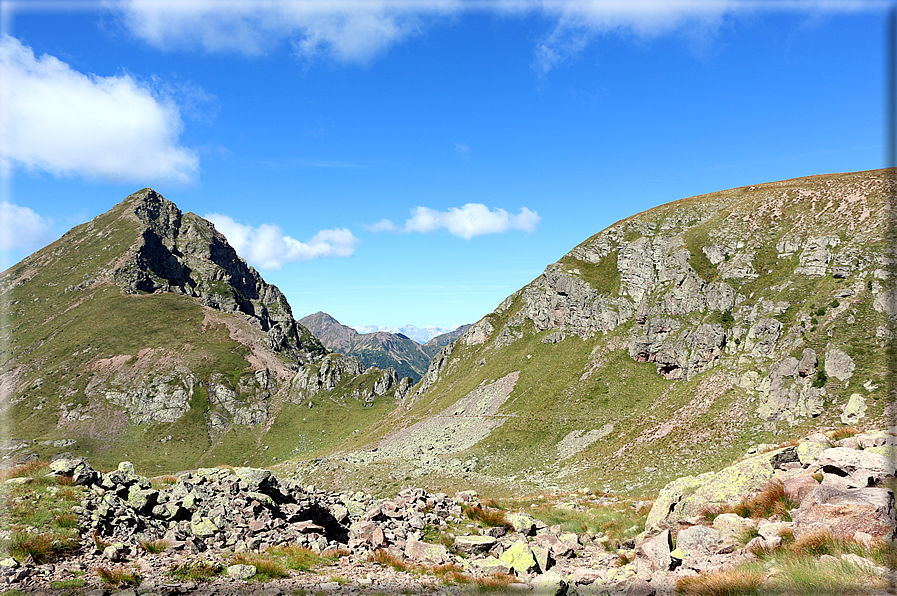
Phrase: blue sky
(416, 162)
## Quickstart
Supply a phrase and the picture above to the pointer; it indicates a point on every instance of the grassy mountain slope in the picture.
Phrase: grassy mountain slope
(380, 349)
(675, 339)
(142, 335)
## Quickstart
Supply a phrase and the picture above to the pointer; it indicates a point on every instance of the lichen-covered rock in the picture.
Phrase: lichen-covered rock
(690, 495)
(854, 409)
(520, 557)
(424, 551)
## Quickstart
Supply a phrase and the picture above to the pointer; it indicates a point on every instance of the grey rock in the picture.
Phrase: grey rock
(838, 364)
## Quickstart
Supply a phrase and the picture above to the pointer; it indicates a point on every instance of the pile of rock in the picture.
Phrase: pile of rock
(212, 513)
(836, 482)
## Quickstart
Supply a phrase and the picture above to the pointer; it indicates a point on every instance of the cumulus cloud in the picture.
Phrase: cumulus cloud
(267, 247)
(473, 219)
(358, 30)
(61, 121)
(21, 229)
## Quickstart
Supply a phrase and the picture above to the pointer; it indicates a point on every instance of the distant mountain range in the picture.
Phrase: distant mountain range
(380, 348)
(418, 334)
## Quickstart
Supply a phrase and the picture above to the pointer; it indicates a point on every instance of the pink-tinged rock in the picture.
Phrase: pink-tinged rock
(308, 526)
(844, 512)
(799, 487)
(656, 552)
(554, 544)
(584, 575)
(378, 539)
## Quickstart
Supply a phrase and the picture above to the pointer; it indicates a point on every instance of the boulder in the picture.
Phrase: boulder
(731, 524)
(854, 409)
(698, 541)
(798, 487)
(691, 495)
(844, 512)
(424, 551)
(491, 565)
(838, 364)
(522, 523)
(549, 584)
(809, 451)
(654, 554)
(520, 557)
(474, 544)
(241, 571)
(862, 468)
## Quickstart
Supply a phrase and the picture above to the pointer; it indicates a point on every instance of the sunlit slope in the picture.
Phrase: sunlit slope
(675, 339)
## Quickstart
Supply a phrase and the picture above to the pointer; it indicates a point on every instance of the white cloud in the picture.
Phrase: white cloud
(267, 247)
(358, 30)
(21, 229)
(384, 225)
(348, 30)
(473, 219)
(65, 122)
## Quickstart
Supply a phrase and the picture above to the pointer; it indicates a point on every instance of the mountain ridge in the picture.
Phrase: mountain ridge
(698, 329)
(143, 333)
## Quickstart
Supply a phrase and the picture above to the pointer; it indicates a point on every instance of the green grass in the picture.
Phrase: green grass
(299, 558)
(69, 584)
(267, 567)
(38, 515)
(196, 571)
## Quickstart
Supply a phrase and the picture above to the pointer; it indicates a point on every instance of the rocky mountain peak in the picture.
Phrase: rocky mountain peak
(185, 254)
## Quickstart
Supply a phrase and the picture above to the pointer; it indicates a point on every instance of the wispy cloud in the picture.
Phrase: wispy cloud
(346, 30)
(356, 31)
(21, 229)
(62, 121)
(384, 225)
(267, 247)
(473, 219)
(463, 150)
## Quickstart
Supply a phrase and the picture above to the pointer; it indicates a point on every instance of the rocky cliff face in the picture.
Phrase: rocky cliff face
(143, 331)
(185, 254)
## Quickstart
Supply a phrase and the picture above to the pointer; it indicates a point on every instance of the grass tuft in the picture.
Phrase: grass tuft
(770, 502)
(299, 558)
(731, 582)
(487, 516)
(381, 556)
(266, 568)
(197, 571)
(118, 577)
(155, 547)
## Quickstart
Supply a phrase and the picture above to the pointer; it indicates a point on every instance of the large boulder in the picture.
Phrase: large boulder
(858, 468)
(844, 512)
(691, 495)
